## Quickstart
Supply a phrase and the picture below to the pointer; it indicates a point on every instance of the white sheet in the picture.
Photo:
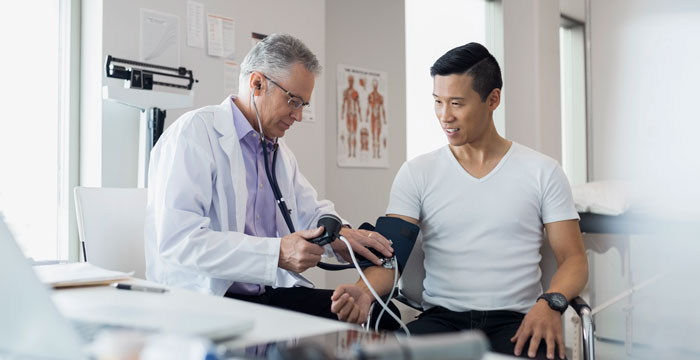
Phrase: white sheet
(603, 197)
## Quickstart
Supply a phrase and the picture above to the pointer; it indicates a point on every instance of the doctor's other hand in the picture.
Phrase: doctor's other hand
(297, 254)
(359, 241)
(351, 303)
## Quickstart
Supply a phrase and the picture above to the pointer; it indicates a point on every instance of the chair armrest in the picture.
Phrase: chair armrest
(587, 327)
(408, 302)
(579, 305)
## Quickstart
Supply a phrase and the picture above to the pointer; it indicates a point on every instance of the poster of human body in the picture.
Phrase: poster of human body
(363, 126)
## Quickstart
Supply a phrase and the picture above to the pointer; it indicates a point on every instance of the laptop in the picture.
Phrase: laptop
(33, 327)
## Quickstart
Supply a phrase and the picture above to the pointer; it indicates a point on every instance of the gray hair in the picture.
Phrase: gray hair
(276, 54)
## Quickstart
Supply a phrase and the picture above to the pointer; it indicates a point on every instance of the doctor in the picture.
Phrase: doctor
(213, 223)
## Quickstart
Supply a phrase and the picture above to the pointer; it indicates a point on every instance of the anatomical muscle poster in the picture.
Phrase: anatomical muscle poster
(363, 123)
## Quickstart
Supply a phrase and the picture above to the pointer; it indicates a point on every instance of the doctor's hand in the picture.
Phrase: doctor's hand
(540, 323)
(359, 241)
(297, 254)
(351, 303)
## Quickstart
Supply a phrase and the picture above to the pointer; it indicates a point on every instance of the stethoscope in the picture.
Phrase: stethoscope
(272, 179)
(271, 175)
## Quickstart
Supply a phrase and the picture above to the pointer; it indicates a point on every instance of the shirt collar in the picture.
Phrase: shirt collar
(243, 127)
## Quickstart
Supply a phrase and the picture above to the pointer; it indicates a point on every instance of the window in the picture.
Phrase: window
(573, 101)
(433, 28)
(33, 139)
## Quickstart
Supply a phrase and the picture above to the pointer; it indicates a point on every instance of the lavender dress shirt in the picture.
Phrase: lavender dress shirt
(260, 207)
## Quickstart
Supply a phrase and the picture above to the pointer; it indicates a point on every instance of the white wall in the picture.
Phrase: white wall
(531, 74)
(430, 32)
(109, 147)
(645, 125)
(644, 73)
(367, 34)
(644, 67)
(110, 131)
(575, 9)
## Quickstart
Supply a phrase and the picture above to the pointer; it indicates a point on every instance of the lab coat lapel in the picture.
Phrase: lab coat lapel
(232, 148)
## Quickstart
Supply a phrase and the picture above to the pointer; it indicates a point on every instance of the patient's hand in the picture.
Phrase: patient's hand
(359, 241)
(351, 303)
(541, 323)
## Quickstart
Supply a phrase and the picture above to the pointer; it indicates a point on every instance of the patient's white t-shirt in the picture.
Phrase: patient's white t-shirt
(481, 237)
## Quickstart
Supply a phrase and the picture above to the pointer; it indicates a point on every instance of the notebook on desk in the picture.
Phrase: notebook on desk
(77, 274)
(32, 326)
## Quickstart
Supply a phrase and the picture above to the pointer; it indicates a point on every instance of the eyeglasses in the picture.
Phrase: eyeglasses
(294, 100)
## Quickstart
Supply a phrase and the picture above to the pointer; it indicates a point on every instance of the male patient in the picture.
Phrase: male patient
(482, 204)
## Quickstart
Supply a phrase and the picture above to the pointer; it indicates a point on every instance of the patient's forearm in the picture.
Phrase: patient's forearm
(571, 276)
(381, 279)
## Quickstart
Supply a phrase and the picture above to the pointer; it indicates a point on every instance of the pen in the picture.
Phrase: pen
(139, 288)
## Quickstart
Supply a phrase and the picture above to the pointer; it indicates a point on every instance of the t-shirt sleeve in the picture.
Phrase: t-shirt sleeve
(557, 200)
(405, 197)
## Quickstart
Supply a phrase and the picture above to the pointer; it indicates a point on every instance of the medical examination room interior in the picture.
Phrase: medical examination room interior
(607, 88)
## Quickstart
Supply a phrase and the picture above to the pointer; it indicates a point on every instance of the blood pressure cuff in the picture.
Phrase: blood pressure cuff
(402, 234)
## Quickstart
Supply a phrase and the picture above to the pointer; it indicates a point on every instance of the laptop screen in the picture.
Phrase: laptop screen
(31, 327)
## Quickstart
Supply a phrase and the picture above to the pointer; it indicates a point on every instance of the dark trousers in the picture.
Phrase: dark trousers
(315, 302)
(499, 326)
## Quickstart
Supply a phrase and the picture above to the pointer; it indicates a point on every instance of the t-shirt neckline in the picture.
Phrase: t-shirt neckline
(487, 176)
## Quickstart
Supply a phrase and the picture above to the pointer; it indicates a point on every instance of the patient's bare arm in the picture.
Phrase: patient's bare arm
(351, 302)
(542, 322)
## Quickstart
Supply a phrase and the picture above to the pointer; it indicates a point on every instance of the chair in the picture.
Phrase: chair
(411, 293)
(111, 225)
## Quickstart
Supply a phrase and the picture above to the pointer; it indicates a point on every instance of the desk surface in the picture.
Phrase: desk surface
(270, 324)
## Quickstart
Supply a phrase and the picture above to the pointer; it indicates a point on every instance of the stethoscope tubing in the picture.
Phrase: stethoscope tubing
(272, 179)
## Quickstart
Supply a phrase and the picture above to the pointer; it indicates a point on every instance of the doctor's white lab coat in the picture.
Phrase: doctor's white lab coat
(197, 208)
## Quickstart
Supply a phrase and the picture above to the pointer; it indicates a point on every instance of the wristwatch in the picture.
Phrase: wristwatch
(556, 301)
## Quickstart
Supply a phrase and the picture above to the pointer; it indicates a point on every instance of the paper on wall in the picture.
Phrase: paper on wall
(195, 24)
(220, 36)
(231, 72)
(160, 38)
(308, 114)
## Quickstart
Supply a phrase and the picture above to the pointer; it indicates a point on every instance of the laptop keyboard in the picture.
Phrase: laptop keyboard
(88, 330)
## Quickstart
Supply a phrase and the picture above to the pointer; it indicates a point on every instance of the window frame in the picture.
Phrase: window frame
(69, 128)
(571, 23)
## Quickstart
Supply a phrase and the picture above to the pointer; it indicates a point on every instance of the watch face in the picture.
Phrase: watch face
(557, 301)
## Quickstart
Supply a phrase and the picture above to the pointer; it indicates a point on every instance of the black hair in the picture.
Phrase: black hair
(472, 59)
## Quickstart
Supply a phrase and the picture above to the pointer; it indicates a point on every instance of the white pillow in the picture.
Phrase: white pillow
(603, 197)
